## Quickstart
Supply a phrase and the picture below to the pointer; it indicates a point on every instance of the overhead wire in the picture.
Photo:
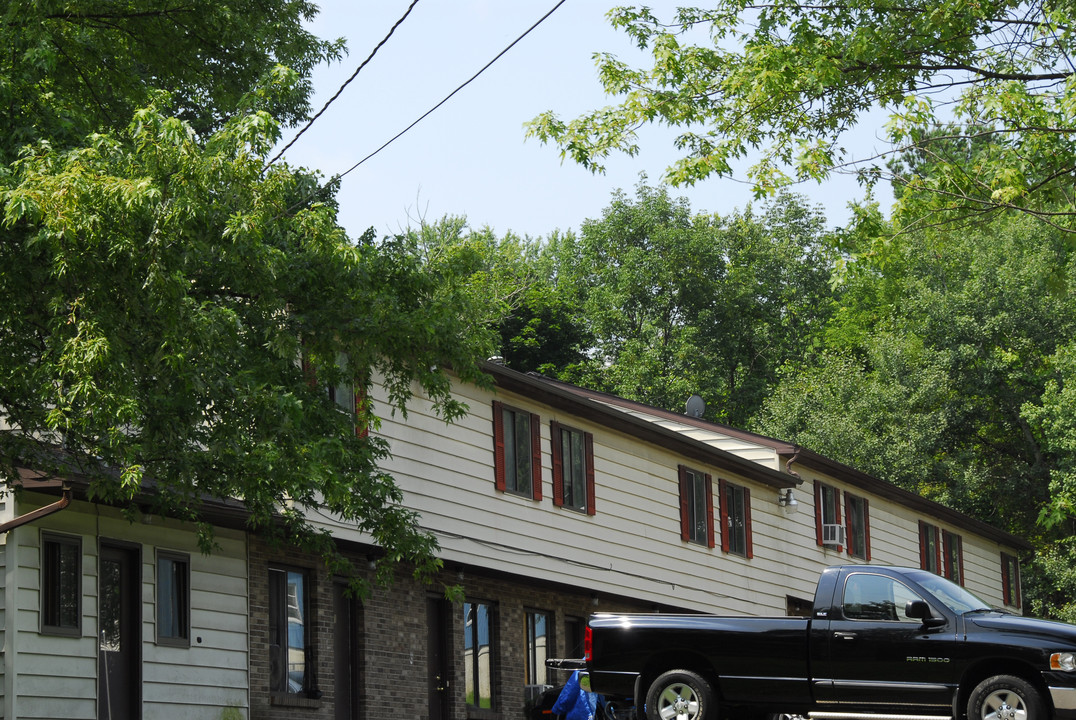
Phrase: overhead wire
(346, 83)
(429, 112)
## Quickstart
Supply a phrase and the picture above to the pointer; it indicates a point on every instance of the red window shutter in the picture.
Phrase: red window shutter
(588, 446)
(362, 428)
(724, 515)
(710, 542)
(498, 445)
(867, 529)
(558, 463)
(747, 522)
(937, 548)
(817, 511)
(536, 456)
(309, 373)
(685, 529)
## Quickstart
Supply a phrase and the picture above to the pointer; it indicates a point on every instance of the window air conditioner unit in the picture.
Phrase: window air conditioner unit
(833, 534)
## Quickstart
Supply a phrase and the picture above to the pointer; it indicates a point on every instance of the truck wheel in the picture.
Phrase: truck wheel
(680, 695)
(1005, 697)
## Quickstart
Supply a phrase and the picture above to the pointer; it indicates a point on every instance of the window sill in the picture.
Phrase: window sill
(477, 713)
(292, 700)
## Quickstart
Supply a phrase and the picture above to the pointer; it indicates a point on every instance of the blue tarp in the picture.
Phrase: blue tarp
(575, 703)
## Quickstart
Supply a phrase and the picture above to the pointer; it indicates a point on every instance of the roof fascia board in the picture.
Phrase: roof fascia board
(548, 393)
(804, 457)
(906, 498)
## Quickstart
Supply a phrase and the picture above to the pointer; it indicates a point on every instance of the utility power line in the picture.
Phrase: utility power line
(426, 114)
(346, 83)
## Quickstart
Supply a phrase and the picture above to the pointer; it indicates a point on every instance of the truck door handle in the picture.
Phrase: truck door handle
(844, 635)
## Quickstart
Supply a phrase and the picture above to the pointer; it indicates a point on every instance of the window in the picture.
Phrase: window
(876, 597)
(61, 584)
(735, 519)
(798, 607)
(1010, 580)
(953, 557)
(539, 644)
(573, 468)
(173, 598)
(517, 451)
(342, 393)
(696, 507)
(290, 651)
(478, 653)
(345, 395)
(574, 633)
(929, 548)
(827, 516)
(859, 526)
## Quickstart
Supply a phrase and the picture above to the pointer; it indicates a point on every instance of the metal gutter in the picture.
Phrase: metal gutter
(556, 395)
(790, 452)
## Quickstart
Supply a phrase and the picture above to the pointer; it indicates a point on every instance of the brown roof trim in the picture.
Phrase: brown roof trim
(788, 451)
(908, 499)
(556, 394)
(231, 514)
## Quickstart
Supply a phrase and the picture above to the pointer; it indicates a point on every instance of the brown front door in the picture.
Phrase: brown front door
(119, 660)
(437, 657)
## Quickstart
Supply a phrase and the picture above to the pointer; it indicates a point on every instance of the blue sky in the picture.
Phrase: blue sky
(470, 157)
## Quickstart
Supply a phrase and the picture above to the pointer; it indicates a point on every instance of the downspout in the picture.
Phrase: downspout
(10, 650)
(41, 512)
(791, 460)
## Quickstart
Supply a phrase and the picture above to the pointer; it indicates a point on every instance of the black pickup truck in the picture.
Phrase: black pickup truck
(885, 643)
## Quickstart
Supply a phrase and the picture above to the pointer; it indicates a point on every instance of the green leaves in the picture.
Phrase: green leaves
(780, 84)
(656, 304)
(172, 309)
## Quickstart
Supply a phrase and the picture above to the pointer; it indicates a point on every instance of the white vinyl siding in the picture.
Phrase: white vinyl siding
(56, 676)
(633, 546)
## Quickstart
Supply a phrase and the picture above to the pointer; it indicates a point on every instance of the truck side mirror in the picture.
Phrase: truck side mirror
(919, 610)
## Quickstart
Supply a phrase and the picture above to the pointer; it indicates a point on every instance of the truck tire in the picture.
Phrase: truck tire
(680, 695)
(1006, 697)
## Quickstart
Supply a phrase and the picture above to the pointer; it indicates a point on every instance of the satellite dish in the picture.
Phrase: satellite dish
(696, 406)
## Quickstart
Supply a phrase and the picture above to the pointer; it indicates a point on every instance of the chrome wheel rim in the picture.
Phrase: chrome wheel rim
(1004, 705)
(679, 702)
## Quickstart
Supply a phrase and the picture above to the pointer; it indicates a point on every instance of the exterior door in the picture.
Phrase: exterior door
(345, 655)
(876, 655)
(119, 662)
(437, 658)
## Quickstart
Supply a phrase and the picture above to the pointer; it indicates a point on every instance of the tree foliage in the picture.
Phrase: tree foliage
(672, 304)
(171, 309)
(949, 374)
(983, 89)
(76, 67)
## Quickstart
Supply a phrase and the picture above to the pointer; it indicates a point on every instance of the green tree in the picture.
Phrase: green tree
(677, 304)
(172, 311)
(781, 83)
(76, 67)
(948, 374)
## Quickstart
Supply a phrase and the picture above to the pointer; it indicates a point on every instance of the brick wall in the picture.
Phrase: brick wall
(393, 640)
(319, 624)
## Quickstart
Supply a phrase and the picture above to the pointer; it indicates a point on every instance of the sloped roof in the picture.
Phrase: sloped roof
(632, 417)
